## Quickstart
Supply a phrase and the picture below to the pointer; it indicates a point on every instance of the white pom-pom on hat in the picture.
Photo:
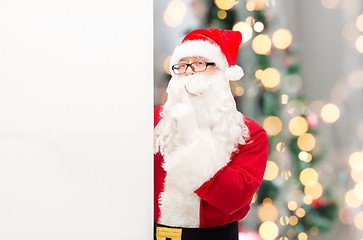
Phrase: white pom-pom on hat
(234, 73)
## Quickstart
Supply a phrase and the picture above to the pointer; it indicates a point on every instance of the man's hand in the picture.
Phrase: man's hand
(184, 120)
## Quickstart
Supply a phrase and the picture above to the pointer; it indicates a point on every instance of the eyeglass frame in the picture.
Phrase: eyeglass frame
(190, 65)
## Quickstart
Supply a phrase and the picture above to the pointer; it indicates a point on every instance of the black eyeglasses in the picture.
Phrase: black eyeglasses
(196, 67)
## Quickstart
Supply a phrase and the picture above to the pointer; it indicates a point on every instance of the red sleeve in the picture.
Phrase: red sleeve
(233, 187)
(157, 117)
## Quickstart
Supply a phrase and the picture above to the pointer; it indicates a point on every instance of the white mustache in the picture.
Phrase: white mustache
(197, 84)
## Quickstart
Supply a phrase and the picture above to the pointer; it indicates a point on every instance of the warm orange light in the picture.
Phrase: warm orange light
(271, 171)
(309, 177)
(298, 126)
(267, 212)
(315, 191)
(272, 125)
(268, 230)
(356, 160)
(359, 44)
(175, 13)
(221, 14)
(258, 4)
(352, 200)
(282, 38)
(306, 142)
(270, 78)
(245, 30)
(330, 113)
(261, 44)
(358, 221)
(292, 205)
(225, 4)
(330, 4)
(359, 22)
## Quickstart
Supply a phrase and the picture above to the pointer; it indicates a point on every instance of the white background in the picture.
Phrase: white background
(76, 120)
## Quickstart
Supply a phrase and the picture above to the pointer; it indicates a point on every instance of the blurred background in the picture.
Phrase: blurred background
(304, 84)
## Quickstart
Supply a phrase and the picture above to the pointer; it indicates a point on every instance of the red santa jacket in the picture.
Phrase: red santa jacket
(227, 195)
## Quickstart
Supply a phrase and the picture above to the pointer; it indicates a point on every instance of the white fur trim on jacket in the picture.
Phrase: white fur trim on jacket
(199, 48)
(186, 170)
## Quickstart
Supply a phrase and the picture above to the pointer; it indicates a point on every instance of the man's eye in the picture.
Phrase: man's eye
(200, 63)
(182, 66)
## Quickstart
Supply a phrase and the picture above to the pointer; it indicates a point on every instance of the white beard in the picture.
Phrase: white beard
(189, 163)
(215, 108)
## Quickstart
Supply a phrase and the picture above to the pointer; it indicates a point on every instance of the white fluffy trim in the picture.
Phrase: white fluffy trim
(234, 73)
(178, 208)
(199, 48)
(186, 170)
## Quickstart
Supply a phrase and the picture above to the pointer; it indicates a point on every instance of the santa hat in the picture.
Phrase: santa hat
(217, 45)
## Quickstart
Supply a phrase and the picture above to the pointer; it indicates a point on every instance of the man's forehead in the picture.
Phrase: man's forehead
(193, 58)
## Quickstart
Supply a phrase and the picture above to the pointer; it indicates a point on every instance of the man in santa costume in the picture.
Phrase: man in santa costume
(209, 158)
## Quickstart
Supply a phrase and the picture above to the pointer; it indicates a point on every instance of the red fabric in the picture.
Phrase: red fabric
(229, 41)
(225, 197)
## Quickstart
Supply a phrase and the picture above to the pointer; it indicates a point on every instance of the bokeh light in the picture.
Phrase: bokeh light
(298, 126)
(306, 142)
(292, 205)
(175, 13)
(315, 191)
(267, 211)
(357, 174)
(282, 38)
(258, 73)
(309, 177)
(330, 4)
(271, 172)
(358, 220)
(261, 44)
(258, 26)
(250, 20)
(358, 190)
(257, 4)
(281, 147)
(284, 220)
(272, 125)
(305, 156)
(284, 99)
(245, 29)
(359, 22)
(346, 215)
(359, 44)
(330, 113)
(351, 199)
(314, 231)
(293, 220)
(225, 4)
(270, 78)
(268, 230)
(250, 6)
(221, 14)
(302, 236)
(356, 160)
(240, 91)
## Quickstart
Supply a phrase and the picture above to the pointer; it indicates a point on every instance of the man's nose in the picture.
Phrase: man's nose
(189, 71)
